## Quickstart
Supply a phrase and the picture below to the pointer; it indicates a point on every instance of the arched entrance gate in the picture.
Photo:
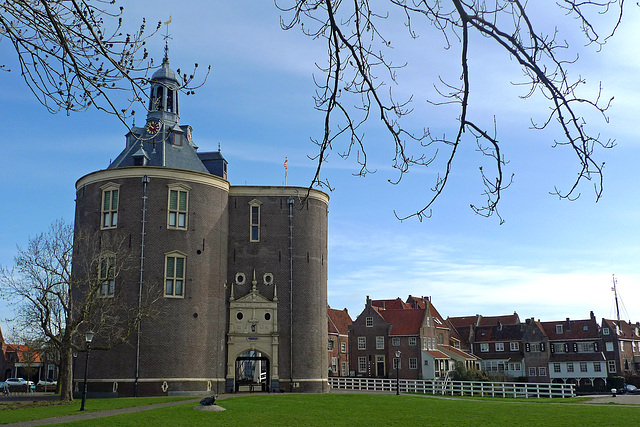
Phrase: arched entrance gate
(252, 372)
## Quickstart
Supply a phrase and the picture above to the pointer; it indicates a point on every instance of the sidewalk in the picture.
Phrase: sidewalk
(98, 414)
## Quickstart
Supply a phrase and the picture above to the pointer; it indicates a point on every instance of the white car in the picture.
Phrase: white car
(47, 382)
(18, 381)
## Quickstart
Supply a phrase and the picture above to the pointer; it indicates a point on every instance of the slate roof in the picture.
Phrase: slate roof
(577, 357)
(403, 321)
(339, 321)
(499, 333)
(480, 320)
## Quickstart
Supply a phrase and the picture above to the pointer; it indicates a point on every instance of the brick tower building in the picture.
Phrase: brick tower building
(240, 271)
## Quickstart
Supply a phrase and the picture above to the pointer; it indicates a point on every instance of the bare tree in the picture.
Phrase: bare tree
(75, 54)
(58, 306)
(357, 81)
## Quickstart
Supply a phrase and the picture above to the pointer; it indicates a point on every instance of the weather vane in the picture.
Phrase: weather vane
(166, 39)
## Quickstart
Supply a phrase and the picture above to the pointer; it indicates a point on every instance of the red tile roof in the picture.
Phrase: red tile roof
(390, 304)
(459, 352)
(404, 321)
(571, 329)
(627, 330)
(339, 321)
(437, 354)
(22, 352)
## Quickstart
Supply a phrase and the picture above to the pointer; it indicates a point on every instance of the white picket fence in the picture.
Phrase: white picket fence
(455, 388)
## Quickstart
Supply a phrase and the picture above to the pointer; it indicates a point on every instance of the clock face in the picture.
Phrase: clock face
(153, 127)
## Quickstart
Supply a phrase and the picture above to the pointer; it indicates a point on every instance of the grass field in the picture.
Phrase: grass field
(355, 410)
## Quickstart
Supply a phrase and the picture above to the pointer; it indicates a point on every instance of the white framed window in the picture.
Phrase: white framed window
(425, 343)
(621, 346)
(343, 347)
(110, 198)
(542, 371)
(514, 346)
(484, 347)
(515, 366)
(395, 341)
(413, 341)
(344, 369)
(586, 347)
(611, 366)
(569, 367)
(556, 367)
(362, 343)
(254, 216)
(379, 343)
(369, 322)
(330, 345)
(106, 275)
(558, 329)
(605, 331)
(334, 364)
(559, 348)
(362, 364)
(175, 264)
(583, 366)
(178, 205)
(532, 372)
(499, 346)
(597, 367)
(608, 346)
(413, 363)
(396, 363)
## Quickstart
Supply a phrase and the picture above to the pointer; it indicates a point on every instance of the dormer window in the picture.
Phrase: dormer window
(558, 329)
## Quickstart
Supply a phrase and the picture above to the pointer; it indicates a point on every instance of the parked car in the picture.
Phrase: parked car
(630, 388)
(47, 382)
(18, 381)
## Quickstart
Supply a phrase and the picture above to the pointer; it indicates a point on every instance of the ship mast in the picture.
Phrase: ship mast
(615, 294)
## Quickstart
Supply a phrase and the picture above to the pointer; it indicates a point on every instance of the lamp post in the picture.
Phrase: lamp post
(398, 372)
(88, 336)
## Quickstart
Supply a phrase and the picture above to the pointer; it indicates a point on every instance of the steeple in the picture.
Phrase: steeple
(163, 99)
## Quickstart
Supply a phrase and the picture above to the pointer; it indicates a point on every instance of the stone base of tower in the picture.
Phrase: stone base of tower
(154, 387)
(305, 385)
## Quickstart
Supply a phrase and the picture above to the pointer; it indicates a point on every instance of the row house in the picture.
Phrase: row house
(464, 326)
(575, 353)
(536, 351)
(338, 346)
(428, 347)
(621, 342)
(500, 348)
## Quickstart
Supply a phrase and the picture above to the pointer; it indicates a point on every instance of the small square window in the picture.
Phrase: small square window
(395, 341)
(369, 322)
(413, 341)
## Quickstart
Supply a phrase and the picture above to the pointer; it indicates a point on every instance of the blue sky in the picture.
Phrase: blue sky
(551, 259)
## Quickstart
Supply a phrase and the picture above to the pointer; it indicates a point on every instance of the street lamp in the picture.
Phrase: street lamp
(88, 336)
(397, 372)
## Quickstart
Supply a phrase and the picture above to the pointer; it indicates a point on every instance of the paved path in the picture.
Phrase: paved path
(98, 414)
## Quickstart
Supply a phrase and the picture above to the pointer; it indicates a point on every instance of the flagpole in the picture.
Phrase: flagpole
(286, 161)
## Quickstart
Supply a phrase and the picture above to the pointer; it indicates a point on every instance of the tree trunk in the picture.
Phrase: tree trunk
(65, 380)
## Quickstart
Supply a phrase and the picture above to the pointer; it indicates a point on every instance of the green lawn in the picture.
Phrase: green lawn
(11, 413)
(378, 410)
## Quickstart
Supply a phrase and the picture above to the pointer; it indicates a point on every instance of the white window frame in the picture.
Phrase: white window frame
(532, 371)
(605, 331)
(172, 276)
(611, 366)
(499, 346)
(608, 346)
(583, 366)
(413, 363)
(395, 341)
(109, 207)
(597, 367)
(559, 329)
(484, 347)
(362, 364)
(413, 341)
(343, 347)
(397, 363)
(369, 322)
(362, 343)
(255, 212)
(344, 369)
(380, 342)
(514, 346)
(570, 367)
(178, 215)
(542, 371)
(557, 367)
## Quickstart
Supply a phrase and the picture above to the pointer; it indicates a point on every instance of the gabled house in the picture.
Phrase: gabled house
(575, 353)
(368, 346)
(338, 346)
(404, 336)
(536, 351)
(465, 325)
(621, 342)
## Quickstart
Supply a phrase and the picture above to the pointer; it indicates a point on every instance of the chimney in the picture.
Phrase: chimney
(568, 324)
(592, 316)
